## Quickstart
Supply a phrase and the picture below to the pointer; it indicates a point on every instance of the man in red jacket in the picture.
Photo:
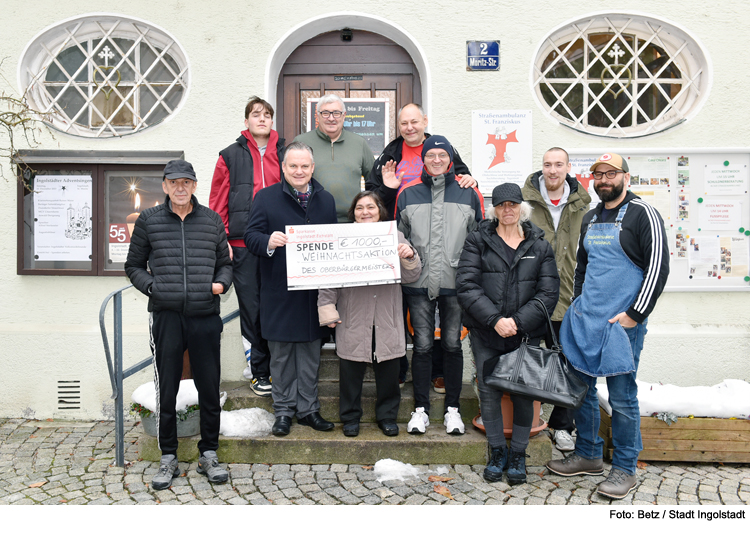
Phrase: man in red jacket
(248, 165)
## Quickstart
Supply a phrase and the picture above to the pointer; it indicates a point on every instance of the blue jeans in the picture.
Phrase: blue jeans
(422, 312)
(626, 417)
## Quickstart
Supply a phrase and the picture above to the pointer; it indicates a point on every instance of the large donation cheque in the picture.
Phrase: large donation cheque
(342, 255)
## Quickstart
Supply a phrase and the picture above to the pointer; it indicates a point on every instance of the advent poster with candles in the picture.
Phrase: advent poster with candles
(127, 196)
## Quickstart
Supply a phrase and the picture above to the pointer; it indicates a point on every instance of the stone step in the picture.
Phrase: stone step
(239, 396)
(329, 365)
(307, 446)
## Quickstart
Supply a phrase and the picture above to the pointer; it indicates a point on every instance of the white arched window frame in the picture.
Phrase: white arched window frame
(104, 75)
(621, 75)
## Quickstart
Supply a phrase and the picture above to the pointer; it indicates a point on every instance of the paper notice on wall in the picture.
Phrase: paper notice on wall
(704, 257)
(652, 170)
(62, 218)
(683, 206)
(681, 244)
(733, 254)
(658, 199)
(720, 215)
(501, 147)
(579, 167)
(728, 180)
(119, 242)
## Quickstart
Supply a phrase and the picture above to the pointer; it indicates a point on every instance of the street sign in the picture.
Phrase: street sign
(482, 55)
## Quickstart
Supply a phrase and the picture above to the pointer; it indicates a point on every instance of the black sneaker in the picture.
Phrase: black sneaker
(261, 386)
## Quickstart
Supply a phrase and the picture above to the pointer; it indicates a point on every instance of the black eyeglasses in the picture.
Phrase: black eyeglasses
(334, 114)
(611, 174)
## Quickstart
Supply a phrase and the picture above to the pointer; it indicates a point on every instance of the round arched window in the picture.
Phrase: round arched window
(620, 75)
(104, 75)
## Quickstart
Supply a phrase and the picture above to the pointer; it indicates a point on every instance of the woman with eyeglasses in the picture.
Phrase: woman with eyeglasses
(369, 330)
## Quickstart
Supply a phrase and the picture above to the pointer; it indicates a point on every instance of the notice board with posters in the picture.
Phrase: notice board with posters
(703, 196)
(368, 117)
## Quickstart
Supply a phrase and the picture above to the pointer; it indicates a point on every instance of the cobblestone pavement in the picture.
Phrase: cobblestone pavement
(71, 463)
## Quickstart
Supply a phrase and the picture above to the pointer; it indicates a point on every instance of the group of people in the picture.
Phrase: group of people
(598, 275)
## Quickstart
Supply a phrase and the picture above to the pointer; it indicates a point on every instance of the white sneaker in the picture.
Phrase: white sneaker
(564, 441)
(453, 423)
(419, 421)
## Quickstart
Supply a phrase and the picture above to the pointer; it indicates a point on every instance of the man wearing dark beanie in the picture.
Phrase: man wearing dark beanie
(435, 214)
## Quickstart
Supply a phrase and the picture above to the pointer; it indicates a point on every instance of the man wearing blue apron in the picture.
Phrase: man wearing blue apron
(622, 267)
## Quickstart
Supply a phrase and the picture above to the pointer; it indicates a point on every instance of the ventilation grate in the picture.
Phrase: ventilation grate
(69, 395)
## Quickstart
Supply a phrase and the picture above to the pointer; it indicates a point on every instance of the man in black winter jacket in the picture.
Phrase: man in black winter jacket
(179, 258)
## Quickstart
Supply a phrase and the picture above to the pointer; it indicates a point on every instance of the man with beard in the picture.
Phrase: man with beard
(623, 264)
(559, 203)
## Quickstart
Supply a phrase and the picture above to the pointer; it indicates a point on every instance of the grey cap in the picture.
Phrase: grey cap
(179, 168)
(506, 192)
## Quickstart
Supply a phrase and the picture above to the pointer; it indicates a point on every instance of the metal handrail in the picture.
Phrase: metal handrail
(116, 373)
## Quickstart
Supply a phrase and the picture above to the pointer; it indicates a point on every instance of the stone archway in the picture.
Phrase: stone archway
(315, 27)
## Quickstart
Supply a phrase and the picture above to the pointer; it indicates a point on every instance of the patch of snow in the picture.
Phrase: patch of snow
(186, 396)
(255, 422)
(728, 399)
(442, 470)
(388, 469)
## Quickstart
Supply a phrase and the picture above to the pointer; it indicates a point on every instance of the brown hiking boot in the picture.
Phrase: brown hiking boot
(575, 465)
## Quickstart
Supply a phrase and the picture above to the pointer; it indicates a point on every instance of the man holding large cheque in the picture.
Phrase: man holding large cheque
(289, 319)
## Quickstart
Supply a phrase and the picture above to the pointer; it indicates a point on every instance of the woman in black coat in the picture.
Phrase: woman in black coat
(505, 263)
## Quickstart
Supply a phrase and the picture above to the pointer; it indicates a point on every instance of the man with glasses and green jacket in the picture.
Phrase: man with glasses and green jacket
(341, 157)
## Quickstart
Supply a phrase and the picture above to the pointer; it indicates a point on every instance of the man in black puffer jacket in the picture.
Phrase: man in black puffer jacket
(179, 258)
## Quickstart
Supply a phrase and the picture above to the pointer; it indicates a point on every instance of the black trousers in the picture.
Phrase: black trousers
(171, 334)
(351, 375)
(246, 280)
(561, 418)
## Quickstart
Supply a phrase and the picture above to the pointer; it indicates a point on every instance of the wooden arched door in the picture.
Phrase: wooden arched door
(367, 66)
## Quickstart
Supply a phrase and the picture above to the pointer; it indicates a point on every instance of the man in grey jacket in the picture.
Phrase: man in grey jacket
(435, 214)
(559, 203)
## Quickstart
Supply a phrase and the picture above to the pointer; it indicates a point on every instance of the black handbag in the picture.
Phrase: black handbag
(537, 373)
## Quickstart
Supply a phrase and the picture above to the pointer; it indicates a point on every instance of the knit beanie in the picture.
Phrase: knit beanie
(437, 141)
